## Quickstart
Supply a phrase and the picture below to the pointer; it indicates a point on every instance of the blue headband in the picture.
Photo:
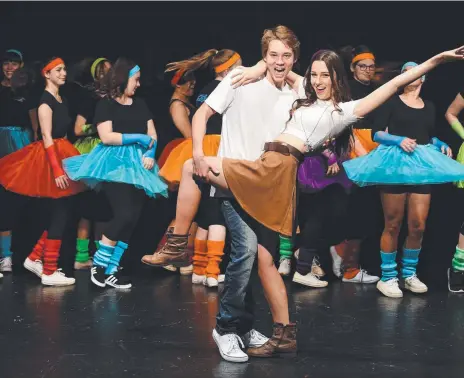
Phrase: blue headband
(410, 64)
(133, 71)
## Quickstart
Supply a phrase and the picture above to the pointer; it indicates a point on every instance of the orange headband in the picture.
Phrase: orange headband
(177, 77)
(50, 66)
(229, 63)
(362, 56)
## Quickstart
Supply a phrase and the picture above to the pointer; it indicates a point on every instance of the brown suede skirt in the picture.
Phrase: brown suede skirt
(265, 188)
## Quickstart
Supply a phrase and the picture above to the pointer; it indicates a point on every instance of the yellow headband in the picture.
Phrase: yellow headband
(94, 65)
(362, 56)
(229, 63)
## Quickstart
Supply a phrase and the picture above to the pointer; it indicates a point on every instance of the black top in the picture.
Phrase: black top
(174, 132)
(402, 120)
(14, 111)
(61, 120)
(87, 105)
(127, 119)
(359, 91)
(214, 125)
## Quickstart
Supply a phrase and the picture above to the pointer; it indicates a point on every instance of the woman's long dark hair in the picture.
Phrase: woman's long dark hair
(340, 93)
(115, 82)
(80, 73)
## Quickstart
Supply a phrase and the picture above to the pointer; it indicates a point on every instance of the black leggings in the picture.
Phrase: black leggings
(321, 217)
(126, 203)
(209, 212)
(12, 207)
(364, 213)
(58, 218)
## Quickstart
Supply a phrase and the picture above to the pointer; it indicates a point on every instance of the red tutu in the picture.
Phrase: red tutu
(27, 171)
(167, 150)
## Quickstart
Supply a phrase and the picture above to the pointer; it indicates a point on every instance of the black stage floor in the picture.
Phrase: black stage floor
(162, 328)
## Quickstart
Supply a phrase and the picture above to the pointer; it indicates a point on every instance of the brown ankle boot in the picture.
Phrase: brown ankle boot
(281, 344)
(174, 252)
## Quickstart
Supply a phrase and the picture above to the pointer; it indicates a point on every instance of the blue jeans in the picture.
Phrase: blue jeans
(236, 304)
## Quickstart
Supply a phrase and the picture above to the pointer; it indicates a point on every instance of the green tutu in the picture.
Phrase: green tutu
(460, 159)
(87, 144)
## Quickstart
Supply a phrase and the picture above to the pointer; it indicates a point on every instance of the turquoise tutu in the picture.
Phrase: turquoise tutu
(390, 165)
(121, 164)
(13, 138)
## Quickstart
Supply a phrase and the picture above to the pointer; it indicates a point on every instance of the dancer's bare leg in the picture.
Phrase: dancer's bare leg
(189, 196)
(273, 285)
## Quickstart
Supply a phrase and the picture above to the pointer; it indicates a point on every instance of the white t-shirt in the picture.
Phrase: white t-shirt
(251, 116)
(320, 121)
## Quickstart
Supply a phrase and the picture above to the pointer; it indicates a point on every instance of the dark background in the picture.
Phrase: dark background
(154, 33)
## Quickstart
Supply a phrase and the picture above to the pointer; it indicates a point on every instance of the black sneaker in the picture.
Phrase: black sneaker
(98, 276)
(455, 281)
(118, 281)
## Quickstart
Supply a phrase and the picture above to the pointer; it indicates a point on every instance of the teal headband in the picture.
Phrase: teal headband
(17, 52)
(133, 71)
(410, 64)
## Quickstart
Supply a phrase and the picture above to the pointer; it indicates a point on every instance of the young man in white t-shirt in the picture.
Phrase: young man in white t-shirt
(251, 115)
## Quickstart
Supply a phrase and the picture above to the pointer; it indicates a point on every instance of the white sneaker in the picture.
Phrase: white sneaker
(198, 280)
(35, 267)
(211, 282)
(6, 265)
(1, 275)
(362, 277)
(390, 288)
(285, 266)
(254, 339)
(229, 347)
(221, 278)
(310, 280)
(171, 268)
(415, 285)
(58, 278)
(337, 262)
(186, 270)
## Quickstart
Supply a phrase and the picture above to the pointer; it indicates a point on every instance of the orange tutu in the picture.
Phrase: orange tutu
(172, 169)
(167, 150)
(364, 137)
(27, 171)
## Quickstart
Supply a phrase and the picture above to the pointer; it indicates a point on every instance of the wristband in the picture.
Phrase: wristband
(458, 128)
(151, 152)
(438, 143)
(387, 139)
(88, 129)
(142, 139)
(55, 162)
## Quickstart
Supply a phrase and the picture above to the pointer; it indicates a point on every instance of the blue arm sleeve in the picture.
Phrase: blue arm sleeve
(151, 152)
(142, 139)
(438, 143)
(387, 139)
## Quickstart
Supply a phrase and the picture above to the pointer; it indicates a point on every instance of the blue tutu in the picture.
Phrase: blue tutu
(121, 164)
(13, 138)
(391, 165)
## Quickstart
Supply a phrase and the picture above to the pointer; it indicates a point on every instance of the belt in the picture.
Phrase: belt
(284, 149)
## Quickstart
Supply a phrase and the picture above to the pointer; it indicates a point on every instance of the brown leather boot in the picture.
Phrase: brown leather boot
(174, 252)
(163, 240)
(281, 344)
